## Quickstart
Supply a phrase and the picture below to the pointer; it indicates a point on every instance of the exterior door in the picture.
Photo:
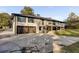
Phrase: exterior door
(19, 29)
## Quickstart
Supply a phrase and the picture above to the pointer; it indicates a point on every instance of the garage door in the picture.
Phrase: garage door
(26, 29)
(19, 29)
(32, 29)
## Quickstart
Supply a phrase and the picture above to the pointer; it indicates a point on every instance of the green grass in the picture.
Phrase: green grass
(74, 48)
(68, 32)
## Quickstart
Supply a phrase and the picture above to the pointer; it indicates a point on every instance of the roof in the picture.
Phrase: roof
(38, 17)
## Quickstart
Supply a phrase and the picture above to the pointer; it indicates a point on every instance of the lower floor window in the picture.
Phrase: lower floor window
(39, 28)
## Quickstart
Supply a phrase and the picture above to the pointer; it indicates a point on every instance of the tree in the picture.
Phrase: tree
(27, 11)
(72, 17)
(4, 20)
(73, 20)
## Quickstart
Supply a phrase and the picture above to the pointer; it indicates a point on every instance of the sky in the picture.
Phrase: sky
(56, 12)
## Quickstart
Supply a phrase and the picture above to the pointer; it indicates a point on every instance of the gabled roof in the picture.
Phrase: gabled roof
(38, 17)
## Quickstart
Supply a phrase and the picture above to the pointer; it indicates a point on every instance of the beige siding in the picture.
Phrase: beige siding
(38, 21)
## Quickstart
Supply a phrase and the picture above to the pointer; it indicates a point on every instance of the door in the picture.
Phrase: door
(19, 29)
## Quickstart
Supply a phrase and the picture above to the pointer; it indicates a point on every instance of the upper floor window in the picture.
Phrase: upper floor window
(49, 22)
(53, 23)
(30, 20)
(21, 19)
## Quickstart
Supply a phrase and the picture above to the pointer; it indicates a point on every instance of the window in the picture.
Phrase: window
(39, 28)
(49, 22)
(21, 19)
(54, 28)
(53, 23)
(30, 20)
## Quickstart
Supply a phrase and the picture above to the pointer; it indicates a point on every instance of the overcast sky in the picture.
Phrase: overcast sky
(55, 12)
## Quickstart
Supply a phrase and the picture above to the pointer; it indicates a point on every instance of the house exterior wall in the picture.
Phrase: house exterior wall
(38, 23)
(43, 23)
(14, 25)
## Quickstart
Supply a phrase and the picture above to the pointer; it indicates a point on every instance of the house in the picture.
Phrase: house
(34, 24)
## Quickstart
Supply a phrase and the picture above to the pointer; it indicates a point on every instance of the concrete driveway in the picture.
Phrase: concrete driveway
(38, 41)
(43, 42)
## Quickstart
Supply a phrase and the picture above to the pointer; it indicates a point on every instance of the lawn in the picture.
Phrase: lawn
(74, 48)
(68, 32)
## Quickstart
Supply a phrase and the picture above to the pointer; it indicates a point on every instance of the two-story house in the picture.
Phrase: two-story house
(34, 24)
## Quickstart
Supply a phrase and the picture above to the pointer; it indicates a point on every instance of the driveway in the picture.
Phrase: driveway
(7, 33)
(40, 42)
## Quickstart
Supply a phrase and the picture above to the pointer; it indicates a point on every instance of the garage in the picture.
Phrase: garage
(26, 29)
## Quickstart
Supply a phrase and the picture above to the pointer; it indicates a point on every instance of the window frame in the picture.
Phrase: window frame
(32, 20)
(21, 19)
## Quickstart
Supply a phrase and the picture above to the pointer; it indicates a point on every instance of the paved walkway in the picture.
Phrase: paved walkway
(67, 40)
(63, 40)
